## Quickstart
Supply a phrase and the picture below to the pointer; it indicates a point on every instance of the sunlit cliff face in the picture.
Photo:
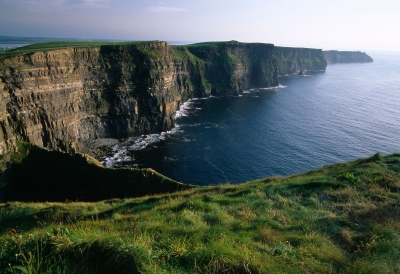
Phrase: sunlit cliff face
(59, 98)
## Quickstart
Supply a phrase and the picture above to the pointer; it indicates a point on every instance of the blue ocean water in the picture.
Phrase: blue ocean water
(347, 112)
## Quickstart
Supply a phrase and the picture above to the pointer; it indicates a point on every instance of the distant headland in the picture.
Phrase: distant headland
(335, 56)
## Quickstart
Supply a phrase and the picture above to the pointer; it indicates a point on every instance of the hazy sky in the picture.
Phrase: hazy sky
(326, 24)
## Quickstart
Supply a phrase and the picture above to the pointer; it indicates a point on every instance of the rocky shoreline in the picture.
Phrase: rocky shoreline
(97, 148)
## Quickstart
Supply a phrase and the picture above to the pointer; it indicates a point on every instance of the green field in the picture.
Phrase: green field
(342, 218)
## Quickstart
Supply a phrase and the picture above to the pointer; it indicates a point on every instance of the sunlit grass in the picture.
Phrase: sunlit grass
(48, 46)
(324, 221)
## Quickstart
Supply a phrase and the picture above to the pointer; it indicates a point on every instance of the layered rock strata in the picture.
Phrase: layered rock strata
(59, 98)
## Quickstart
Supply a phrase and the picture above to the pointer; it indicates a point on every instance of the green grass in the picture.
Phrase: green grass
(207, 44)
(61, 45)
(343, 218)
(183, 54)
(230, 59)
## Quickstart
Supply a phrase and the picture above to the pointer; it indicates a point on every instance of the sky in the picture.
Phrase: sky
(327, 24)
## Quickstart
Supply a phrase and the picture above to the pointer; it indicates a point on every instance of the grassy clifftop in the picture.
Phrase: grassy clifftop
(343, 218)
(48, 46)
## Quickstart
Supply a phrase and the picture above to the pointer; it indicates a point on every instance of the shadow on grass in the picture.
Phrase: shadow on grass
(43, 175)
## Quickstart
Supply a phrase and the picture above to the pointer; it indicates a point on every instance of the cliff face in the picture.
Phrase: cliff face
(232, 67)
(334, 56)
(294, 60)
(58, 98)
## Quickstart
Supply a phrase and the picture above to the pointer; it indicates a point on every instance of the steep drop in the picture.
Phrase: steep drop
(58, 98)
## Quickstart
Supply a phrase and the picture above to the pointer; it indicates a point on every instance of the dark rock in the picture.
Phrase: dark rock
(43, 175)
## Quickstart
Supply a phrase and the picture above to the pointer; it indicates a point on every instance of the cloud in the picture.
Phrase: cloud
(164, 9)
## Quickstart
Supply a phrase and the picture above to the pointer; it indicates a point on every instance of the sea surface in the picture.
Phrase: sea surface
(349, 111)
(8, 46)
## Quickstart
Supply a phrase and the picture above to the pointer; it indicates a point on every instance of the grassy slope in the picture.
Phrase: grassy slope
(342, 218)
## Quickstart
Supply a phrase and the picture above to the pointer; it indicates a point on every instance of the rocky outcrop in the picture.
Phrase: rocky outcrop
(60, 98)
(294, 60)
(334, 56)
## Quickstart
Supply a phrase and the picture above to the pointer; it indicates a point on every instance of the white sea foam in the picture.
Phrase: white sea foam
(184, 109)
(122, 152)
(213, 125)
(187, 107)
(261, 89)
(116, 156)
(190, 125)
(169, 159)
(274, 87)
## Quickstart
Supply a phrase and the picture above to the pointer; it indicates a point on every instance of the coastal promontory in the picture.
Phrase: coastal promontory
(335, 56)
(59, 95)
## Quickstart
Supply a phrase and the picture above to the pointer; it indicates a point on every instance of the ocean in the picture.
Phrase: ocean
(4, 47)
(347, 112)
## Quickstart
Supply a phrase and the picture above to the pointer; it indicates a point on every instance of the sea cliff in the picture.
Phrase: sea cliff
(295, 60)
(334, 56)
(58, 98)
(231, 67)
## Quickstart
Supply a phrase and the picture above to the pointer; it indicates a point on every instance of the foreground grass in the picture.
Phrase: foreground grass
(343, 218)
